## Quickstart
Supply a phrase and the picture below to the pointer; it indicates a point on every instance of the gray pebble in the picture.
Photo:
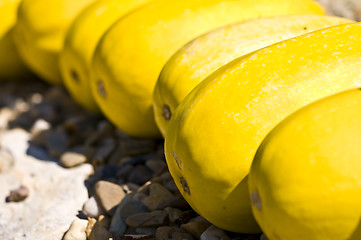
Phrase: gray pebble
(174, 214)
(139, 196)
(132, 207)
(214, 233)
(156, 165)
(140, 175)
(149, 219)
(104, 149)
(124, 171)
(171, 186)
(104, 129)
(126, 208)
(158, 197)
(57, 142)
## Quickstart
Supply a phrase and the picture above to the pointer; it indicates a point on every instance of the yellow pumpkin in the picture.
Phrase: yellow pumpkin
(305, 180)
(131, 54)
(216, 130)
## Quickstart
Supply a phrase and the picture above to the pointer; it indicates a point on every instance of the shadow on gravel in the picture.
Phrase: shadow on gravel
(40, 153)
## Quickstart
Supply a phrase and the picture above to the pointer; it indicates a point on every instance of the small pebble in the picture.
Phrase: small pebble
(109, 195)
(140, 175)
(171, 186)
(18, 195)
(104, 149)
(174, 214)
(132, 207)
(91, 208)
(77, 230)
(149, 219)
(39, 126)
(117, 224)
(156, 165)
(98, 232)
(195, 228)
(162, 233)
(158, 197)
(182, 236)
(139, 196)
(214, 233)
(124, 171)
(57, 142)
(72, 159)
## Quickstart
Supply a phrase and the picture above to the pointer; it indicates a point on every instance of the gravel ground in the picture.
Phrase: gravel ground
(68, 174)
(130, 193)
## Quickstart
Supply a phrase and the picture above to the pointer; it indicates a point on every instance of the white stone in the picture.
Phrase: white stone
(92, 209)
(56, 194)
(76, 230)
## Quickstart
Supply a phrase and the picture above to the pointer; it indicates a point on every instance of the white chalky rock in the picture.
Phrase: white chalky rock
(56, 194)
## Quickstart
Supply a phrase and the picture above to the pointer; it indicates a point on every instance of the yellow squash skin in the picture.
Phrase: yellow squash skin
(11, 65)
(205, 54)
(80, 42)
(305, 180)
(215, 131)
(40, 31)
(130, 56)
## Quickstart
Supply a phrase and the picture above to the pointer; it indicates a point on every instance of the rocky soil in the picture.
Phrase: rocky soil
(67, 174)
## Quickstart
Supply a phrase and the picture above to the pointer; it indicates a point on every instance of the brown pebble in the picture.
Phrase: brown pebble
(72, 159)
(18, 195)
(195, 228)
(162, 233)
(99, 232)
(109, 195)
(182, 236)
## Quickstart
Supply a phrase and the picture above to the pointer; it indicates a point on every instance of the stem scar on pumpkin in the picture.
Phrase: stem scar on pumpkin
(74, 75)
(185, 185)
(256, 200)
(101, 88)
(167, 114)
(176, 160)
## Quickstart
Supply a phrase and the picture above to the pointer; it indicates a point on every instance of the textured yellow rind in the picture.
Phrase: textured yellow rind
(205, 54)
(80, 42)
(214, 134)
(305, 178)
(130, 56)
(11, 65)
(40, 31)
